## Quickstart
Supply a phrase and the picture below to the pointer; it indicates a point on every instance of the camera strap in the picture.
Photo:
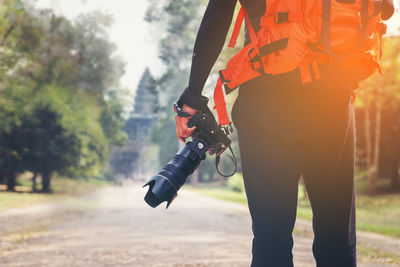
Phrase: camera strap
(232, 157)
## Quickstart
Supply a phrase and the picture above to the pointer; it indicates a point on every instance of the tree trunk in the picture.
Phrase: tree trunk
(11, 182)
(46, 178)
(368, 143)
(34, 190)
(394, 177)
(7, 34)
(375, 159)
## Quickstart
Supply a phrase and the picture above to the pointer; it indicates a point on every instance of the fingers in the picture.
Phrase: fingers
(182, 130)
(182, 139)
(179, 127)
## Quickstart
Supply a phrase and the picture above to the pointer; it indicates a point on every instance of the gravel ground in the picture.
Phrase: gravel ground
(114, 227)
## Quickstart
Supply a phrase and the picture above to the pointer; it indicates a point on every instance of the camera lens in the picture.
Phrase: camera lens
(165, 185)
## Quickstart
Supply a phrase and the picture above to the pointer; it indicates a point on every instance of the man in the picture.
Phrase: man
(286, 130)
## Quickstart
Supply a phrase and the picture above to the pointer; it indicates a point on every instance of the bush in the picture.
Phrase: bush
(236, 183)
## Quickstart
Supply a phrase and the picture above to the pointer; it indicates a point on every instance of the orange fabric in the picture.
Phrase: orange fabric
(357, 66)
(236, 29)
(220, 104)
(349, 56)
(238, 24)
(271, 20)
(271, 8)
(239, 70)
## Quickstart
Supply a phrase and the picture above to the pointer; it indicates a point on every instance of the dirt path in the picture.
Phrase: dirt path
(114, 227)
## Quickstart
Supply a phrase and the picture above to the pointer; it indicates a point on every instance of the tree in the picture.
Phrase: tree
(380, 100)
(48, 145)
(59, 92)
(111, 121)
(178, 20)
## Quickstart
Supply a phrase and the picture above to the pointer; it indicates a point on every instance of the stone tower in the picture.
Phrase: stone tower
(139, 126)
(145, 100)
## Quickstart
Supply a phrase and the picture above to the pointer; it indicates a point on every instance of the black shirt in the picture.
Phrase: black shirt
(209, 43)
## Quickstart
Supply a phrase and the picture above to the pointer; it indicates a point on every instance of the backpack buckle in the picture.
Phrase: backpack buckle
(228, 90)
(223, 78)
(255, 60)
(257, 65)
(252, 54)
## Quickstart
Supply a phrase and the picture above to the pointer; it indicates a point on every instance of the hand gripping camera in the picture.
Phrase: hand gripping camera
(208, 136)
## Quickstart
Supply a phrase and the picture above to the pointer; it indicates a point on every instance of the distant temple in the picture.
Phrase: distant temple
(124, 162)
(142, 118)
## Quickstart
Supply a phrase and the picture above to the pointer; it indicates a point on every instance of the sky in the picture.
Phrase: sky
(132, 34)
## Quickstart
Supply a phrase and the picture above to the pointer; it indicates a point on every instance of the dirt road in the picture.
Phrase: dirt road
(114, 227)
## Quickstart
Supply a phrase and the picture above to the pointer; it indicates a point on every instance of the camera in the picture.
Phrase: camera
(208, 136)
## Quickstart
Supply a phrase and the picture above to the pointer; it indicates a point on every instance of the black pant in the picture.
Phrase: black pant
(286, 131)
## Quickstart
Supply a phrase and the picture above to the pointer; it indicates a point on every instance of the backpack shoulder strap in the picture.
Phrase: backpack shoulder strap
(238, 24)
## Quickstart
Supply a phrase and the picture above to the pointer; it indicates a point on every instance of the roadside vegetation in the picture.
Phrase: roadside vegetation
(379, 213)
(62, 189)
(60, 95)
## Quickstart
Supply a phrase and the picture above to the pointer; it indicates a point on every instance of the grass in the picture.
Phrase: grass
(62, 188)
(223, 194)
(368, 254)
(379, 214)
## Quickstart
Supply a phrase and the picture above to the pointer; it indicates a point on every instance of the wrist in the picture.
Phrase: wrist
(194, 101)
(189, 110)
(183, 110)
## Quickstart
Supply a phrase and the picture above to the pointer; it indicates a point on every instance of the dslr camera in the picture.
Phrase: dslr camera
(208, 136)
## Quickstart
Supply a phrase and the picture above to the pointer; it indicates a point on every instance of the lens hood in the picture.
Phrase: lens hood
(160, 189)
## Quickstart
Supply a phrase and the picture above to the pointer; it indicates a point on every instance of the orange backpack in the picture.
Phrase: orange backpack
(345, 35)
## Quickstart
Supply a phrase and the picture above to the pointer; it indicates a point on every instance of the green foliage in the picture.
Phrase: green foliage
(382, 93)
(111, 121)
(59, 93)
(235, 183)
(378, 88)
(178, 21)
(222, 193)
(165, 136)
(43, 143)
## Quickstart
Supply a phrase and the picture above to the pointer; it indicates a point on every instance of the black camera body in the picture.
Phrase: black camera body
(210, 132)
(208, 136)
